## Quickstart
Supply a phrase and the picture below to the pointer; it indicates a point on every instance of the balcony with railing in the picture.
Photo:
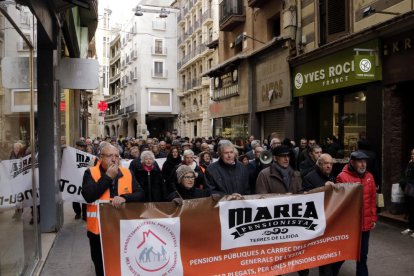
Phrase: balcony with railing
(130, 109)
(109, 116)
(207, 17)
(232, 14)
(113, 98)
(115, 57)
(115, 76)
(200, 48)
(225, 92)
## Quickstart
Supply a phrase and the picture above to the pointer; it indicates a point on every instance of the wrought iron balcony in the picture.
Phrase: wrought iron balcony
(232, 14)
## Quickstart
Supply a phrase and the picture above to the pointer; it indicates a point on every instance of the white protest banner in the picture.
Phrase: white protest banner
(295, 218)
(74, 164)
(16, 183)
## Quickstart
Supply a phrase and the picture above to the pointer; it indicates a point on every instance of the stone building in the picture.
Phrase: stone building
(251, 84)
(197, 42)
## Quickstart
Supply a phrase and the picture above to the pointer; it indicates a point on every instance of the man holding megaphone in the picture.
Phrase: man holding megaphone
(279, 177)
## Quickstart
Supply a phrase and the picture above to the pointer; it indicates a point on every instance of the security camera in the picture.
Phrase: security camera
(367, 11)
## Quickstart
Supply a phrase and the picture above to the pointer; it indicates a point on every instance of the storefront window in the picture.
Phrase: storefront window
(349, 122)
(233, 128)
(20, 238)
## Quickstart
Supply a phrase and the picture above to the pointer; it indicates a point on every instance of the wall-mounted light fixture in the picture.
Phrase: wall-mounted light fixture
(241, 37)
(139, 11)
(370, 10)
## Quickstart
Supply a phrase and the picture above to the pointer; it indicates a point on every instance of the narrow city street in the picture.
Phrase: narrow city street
(390, 252)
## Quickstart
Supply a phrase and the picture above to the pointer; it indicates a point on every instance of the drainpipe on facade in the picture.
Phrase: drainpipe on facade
(299, 24)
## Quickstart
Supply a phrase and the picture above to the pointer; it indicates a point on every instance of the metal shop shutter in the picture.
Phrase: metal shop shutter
(274, 121)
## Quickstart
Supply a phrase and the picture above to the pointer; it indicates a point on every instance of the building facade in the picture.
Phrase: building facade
(197, 53)
(143, 100)
(251, 87)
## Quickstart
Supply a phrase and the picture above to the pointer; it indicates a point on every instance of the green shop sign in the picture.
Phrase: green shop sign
(352, 66)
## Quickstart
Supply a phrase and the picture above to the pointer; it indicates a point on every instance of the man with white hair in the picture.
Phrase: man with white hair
(227, 176)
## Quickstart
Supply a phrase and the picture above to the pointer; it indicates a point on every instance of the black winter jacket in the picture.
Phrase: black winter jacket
(225, 179)
(315, 179)
(152, 182)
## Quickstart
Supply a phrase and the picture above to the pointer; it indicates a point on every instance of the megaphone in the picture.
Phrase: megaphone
(266, 157)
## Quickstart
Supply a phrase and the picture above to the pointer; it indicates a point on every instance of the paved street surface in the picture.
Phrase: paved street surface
(390, 252)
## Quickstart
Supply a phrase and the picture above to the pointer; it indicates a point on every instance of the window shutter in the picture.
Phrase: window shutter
(337, 18)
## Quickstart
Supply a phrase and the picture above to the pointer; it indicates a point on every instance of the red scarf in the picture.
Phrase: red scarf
(148, 168)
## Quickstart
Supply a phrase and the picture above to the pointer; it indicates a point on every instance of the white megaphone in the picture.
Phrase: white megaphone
(266, 157)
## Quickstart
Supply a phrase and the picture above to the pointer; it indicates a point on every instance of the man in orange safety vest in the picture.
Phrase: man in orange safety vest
(106, 181)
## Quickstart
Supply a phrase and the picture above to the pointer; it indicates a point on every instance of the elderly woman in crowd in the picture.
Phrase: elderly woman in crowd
(188, 159)
(148, 174)
(184, 185)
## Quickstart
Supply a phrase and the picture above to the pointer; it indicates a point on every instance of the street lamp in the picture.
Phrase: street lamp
(139, 11)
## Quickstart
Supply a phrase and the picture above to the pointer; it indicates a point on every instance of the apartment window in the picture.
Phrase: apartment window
(210, 63)
(158, 46)
(334, 20)
(273, 27)
(210, 35)
(158, 69)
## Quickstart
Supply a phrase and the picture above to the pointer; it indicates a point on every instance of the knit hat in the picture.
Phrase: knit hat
(183, 170)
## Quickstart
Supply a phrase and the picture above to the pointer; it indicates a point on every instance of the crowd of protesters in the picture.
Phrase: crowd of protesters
(189, 171)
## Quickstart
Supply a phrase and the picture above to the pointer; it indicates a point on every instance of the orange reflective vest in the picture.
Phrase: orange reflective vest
(124, 187)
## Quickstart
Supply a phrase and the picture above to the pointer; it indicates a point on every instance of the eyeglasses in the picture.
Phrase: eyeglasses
(110, 155)
(189, 177)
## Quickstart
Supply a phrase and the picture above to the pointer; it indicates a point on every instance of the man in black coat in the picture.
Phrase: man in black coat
(307, 165)
(227, 176)
(320, 175)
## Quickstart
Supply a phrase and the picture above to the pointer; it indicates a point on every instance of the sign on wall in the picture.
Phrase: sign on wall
(342, 69)
(272, 82)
